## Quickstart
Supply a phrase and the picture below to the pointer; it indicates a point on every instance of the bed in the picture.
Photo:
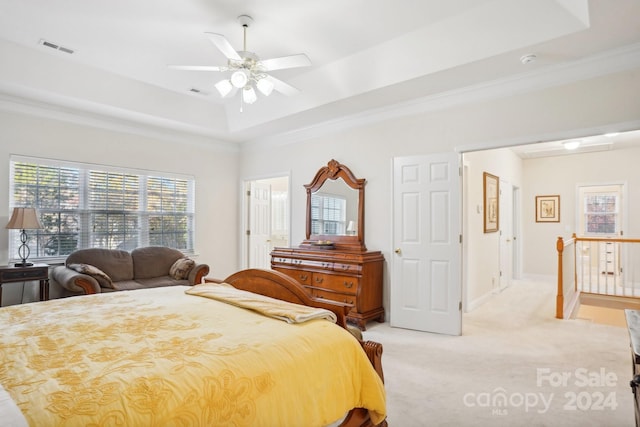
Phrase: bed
(183, 356)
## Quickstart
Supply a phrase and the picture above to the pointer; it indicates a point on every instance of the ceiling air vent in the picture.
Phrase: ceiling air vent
(46, 43)
(198, 91)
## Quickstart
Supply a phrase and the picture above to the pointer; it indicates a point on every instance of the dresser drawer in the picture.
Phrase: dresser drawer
(301, 276)
(339, 267)
(334, 296)
(347, 275)
(344, 284)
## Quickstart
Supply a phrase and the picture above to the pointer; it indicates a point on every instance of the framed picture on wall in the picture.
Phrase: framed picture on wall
(548, 208)
(491, 191)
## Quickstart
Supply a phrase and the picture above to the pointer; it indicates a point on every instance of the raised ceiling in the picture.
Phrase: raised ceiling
(366, 55)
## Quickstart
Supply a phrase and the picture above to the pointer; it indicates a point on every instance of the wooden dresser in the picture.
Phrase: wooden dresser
(354, 277)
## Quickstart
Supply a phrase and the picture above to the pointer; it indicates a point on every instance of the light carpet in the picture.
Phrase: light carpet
(514, 365)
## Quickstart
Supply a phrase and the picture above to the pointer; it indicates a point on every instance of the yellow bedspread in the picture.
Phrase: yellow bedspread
(160, 357)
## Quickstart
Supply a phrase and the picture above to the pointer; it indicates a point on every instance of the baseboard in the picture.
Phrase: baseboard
(610, 301)
(472, 305)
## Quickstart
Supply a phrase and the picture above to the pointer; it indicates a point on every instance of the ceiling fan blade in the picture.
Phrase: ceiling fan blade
(225, 47)
(197, 67)
(283, 87)
(292, 61)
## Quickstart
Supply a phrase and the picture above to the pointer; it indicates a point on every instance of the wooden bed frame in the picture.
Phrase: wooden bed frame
(278, 285)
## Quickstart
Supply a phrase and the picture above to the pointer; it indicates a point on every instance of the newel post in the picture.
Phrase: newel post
(560, 296)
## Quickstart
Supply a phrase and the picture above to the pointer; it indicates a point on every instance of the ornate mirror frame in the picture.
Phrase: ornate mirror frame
(335, 170)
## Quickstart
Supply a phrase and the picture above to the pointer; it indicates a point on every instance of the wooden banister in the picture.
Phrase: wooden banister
(595, 271)
(560, 294)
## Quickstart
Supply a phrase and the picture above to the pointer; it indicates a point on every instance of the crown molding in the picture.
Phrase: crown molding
(609, 62)
(32, 103)
(22, 100)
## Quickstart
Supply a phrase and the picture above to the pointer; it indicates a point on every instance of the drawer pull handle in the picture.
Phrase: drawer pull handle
(348, 285)
(319, 279)
(345, 267)
(303, 277)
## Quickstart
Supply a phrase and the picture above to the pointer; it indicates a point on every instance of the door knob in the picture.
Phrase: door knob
(398, 251)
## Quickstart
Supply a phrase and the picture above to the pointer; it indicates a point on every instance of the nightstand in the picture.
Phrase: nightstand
(12, 274)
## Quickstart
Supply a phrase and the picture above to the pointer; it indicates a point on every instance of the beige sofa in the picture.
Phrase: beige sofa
(90, 271)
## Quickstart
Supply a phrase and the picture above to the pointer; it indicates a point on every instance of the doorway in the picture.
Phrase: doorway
(601, 213)
(267, 219)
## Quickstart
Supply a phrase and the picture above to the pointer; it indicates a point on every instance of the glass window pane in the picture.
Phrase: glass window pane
(83, 205)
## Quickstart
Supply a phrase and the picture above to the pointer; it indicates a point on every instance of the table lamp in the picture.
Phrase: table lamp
(24, 219)
(351, 228)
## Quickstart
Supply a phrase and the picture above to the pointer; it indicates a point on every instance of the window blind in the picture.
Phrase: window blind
(328, 214)
(97, 206)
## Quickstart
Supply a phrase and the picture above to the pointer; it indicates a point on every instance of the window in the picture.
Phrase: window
(600, 210)
(328, 214)
(601, 213)
(94, 206)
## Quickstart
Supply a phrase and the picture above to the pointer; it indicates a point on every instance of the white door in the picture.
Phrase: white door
(506, 234)
(259, 225)
(426, 268)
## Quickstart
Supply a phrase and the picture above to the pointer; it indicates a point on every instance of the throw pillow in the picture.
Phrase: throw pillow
(103, 279)
(181, 268)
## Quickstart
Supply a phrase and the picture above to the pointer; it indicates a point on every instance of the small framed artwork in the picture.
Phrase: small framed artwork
(548, 208)
(491, 191)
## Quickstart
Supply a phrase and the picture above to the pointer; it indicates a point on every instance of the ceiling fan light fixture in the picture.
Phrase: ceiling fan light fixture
(224, 87)
(239, 79)
(248, 72)
(265, 86)
(249, 95)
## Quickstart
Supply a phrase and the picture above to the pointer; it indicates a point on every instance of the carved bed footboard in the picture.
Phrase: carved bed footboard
(278, 285)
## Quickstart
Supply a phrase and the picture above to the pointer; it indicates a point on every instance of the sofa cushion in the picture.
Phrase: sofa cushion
(181, 268)
(153, 261)
(103, 279)
(127, 285)
(116, 264)
(161, 281)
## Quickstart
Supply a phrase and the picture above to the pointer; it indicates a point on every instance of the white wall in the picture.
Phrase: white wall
(561, 175)
(483, 262)
(215, 171)
(602, 102)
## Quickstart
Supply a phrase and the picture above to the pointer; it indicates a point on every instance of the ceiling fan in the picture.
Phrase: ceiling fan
(247, 69)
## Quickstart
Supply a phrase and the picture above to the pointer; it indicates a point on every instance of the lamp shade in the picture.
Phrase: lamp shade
(265, 86)
(351, 227)
(24, 219)
(239, 79)
(249, 95)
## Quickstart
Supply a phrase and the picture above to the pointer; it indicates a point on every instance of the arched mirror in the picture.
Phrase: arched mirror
(335, 209)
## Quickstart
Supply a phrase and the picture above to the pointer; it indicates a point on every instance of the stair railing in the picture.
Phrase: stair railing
(596, 266)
